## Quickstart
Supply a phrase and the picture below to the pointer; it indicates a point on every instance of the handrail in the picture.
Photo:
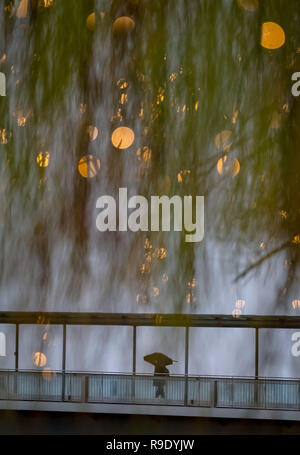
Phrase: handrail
(150, 319)
(125, 373)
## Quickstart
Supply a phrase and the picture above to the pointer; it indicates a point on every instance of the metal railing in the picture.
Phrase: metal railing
(221, 392)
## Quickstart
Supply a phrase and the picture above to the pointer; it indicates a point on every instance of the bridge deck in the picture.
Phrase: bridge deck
(124, 393)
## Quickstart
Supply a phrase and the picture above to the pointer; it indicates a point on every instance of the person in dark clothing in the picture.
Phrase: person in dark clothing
(161, 371)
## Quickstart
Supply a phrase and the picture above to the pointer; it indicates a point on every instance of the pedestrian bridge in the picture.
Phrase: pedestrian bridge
(241, 397)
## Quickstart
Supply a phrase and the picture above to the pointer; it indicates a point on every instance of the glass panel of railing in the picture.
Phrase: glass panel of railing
(200, 392)
(224, 393)
(73, 387)
(95, 388)
(112, 388)
(4, 386)
(282, 395)
(36, 386)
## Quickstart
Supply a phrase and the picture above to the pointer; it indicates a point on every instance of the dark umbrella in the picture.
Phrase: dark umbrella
(157, 358)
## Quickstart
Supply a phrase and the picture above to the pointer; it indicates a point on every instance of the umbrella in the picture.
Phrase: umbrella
(157, 358)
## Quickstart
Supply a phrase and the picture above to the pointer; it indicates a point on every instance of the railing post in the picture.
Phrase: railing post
(134, 350)
(256, 352)
(256, 383)
(133, 361)
(17, 348)
(215, 394)
(16, 362)
(86, 389)
(186, 366)
(63, 382)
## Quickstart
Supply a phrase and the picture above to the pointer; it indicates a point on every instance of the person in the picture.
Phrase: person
(160, 370)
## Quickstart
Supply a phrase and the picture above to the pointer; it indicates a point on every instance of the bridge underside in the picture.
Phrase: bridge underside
(151, 410)
(75, 423)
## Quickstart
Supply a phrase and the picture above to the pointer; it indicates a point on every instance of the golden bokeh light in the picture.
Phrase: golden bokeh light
(92, 132)
(147, 244)
(122, 84)
(223, 140)
(122, 137)
(155, 291)
(141, 299)
(88, 166)
(22, 10)
(123, 24)
(48, 374)
(235, 115)
(91, 22)
(145, 269)
(228, 166)
(21, 116)
(193, 283)
(82, 108)
(190, 298)
(47, 3)
(144, 156)
(160, 253)
(3, 136)
(124, 98)
(283, 214)
(39, 359)
(240, 303)
(272, 35)
(296, 239)
(248, 5)
(296, 304)
(236, 312)
(183, 174)
(43, 159)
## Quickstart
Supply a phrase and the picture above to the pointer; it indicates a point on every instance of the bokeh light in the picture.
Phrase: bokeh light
(296, 304)
(272, 35)
(122, 137)
(240, 303)
(22, 10)
(123, 24)
(144, 156)
(237, 312)
(39, 359)
(91, 22)
(92, 132)
(88, 166)
(228, 166)
(43, 159)
(48, 374)
(223, 140)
